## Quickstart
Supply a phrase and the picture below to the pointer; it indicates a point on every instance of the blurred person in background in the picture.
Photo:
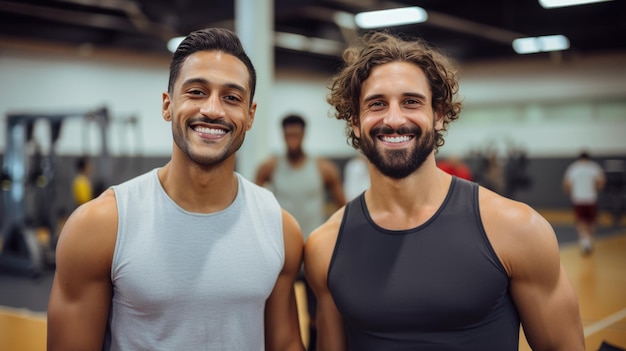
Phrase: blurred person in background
(582, 181)
(82, 190)
(356, 177)
(301, 182)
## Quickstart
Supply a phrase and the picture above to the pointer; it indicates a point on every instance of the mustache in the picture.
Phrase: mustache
(387, 130)
(208, 120)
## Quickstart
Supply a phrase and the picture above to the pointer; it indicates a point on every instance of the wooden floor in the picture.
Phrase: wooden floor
(599, 280)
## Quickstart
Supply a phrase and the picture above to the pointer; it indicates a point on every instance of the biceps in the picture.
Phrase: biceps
(77, 321)
(550, 313)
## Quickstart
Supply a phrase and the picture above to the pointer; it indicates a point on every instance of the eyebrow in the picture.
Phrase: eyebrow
(379, 96)
(206, 82)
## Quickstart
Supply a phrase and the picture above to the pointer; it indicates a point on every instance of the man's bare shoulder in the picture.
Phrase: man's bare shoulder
(325, 236)
(502, 211)
(515, 230)
(291, 227)
(101, 208)
(91, 229)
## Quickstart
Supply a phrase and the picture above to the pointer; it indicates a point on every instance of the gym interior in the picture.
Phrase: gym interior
(529, 116)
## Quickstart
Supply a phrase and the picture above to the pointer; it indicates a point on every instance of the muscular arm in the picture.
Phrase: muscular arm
(81, 291)
(317, 255)
(543, 294)
(332, 181)
(282, 331)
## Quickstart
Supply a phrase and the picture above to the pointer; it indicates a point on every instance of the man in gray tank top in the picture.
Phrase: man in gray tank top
(423, 260)
(188, 256)
(300, 183)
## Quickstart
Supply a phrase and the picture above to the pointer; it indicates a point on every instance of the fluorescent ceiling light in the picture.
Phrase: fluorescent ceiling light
(303, 43)
(540, 44)
(173, 43)
(548, 4)
(291, 41)
(392, 17)
(344, 19)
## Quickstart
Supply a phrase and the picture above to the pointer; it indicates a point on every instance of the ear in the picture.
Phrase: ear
(165, 107)
(251, 113)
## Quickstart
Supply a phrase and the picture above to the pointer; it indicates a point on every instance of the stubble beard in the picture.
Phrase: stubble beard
(203, 159)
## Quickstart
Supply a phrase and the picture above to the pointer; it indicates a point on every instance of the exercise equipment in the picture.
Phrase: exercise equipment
(21, 251)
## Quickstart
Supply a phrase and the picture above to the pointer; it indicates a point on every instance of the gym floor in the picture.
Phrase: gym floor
(599, 280)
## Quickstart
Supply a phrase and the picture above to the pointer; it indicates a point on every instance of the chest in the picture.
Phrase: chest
(439, 278)
(298, 182)
(162, 265)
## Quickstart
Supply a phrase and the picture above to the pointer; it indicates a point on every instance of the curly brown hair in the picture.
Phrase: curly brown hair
(379, 48)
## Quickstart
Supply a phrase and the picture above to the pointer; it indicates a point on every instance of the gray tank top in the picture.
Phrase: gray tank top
(301, 192)
(437, 287)
(191, 281)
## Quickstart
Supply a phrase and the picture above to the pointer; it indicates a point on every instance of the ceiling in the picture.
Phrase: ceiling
(468, 31)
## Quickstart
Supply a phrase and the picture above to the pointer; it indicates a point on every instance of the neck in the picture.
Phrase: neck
(295, 156)
(200, 189)
(421, 187)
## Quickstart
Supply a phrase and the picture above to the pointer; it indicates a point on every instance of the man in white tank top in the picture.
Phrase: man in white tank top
(188, 256)
(582, 181)
(300, 183)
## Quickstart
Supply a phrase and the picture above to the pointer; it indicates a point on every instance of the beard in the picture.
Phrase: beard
(204, 158)
(398, 164)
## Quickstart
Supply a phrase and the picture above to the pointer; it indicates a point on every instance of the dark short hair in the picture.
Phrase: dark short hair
(379, 48)
(293, 120)
(211, 39)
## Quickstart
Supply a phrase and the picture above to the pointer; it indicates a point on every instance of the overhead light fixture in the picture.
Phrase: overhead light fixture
(391, 17)
(300, 42)
(173, 43)
(540, 44)
(548, 4)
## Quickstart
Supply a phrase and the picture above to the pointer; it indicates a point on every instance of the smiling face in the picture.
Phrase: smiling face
(209, 107)
(397, 122)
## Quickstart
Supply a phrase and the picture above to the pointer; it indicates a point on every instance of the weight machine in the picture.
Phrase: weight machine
(21, 251)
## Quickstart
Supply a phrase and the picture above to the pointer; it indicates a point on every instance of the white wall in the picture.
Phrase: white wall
(547, 107)
(64, 83)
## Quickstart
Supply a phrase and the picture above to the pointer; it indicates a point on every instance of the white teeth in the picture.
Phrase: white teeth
(398, 139)
(210, 130)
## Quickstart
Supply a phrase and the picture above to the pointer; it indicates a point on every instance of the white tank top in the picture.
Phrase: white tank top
(300, 191)
(190, 281)
(583, 177)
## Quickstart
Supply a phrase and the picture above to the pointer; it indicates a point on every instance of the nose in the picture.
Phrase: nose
(212, 106)
(395, 117)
